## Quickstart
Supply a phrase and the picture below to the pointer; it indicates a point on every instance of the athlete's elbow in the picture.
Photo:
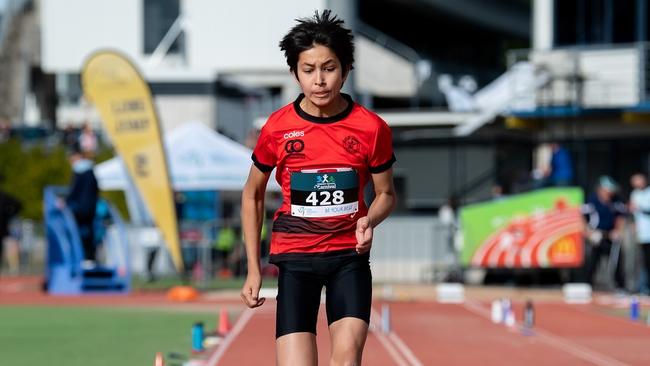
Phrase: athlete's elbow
(393, 201)
(252, 192)
(390, 200)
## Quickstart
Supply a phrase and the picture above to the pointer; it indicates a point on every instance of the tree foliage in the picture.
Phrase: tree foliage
(27, 169)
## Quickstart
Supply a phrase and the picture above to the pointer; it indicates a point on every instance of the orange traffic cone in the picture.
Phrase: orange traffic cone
(159, 361)
(224, 322)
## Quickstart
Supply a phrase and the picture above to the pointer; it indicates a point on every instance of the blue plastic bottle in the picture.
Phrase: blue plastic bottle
(197, 337)
(634, 308)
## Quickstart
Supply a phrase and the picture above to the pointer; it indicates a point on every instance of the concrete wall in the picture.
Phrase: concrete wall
(72, 29)
(174, 110)
(220, 35)
(432, 173)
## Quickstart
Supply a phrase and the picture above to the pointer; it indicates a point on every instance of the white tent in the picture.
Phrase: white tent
(199, 159)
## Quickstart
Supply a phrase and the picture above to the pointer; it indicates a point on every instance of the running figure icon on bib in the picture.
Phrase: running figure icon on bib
(324, 192)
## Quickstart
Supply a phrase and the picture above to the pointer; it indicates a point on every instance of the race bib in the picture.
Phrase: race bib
(324, 193)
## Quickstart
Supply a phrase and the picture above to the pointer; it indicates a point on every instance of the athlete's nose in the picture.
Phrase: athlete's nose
(320, 80)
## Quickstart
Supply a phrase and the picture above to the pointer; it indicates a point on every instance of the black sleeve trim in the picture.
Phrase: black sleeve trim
(383, 167)
(263, 167)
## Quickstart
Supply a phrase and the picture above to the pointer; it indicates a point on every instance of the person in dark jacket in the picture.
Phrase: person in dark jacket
(9, 207)
(604, 215)
(82, 200)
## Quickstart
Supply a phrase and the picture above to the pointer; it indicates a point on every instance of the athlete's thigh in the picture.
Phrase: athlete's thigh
(349, 299)
(298, 300)
(349, 290)
(296, 349)
(348, 337)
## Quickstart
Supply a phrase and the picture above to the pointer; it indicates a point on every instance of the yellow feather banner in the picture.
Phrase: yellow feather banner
(125, 105)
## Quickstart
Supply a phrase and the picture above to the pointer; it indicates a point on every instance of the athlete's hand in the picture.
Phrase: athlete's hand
(364, 235)
(251, 290)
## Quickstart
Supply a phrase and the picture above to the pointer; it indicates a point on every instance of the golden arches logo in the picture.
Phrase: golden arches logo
(564, 247)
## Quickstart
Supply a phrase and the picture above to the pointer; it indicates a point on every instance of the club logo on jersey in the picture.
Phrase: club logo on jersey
(294, 134)
(294, 149)
(351, 144)
(294, 146)
(325, 182)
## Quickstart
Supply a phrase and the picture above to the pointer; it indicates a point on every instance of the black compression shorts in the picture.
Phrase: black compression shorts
(348, 284)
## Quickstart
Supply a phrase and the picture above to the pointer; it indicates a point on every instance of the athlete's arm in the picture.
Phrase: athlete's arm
(252, 214)
(380, 208)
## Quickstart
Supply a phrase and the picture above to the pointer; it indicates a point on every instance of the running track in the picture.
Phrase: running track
(428, 333)
(425, 332)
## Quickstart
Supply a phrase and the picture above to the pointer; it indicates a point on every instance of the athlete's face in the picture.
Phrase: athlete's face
(321, 76)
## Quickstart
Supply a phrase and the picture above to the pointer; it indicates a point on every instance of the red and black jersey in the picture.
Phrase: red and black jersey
(323, 165)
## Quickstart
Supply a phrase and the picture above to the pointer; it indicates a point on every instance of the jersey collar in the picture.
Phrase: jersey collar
(308, 117)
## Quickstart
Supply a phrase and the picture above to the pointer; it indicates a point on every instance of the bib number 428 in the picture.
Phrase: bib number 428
(325, 198)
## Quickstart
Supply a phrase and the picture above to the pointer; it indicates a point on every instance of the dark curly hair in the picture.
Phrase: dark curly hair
(325, 30)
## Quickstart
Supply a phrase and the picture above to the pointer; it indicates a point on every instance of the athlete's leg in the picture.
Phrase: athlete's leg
(349, 298)
(592, 262)
(347, 336)
(297, 312)
(297, 349)
(646, 264)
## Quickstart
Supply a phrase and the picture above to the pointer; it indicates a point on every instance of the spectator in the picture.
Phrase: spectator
(640, 208)
(88, 141)
(448, 218)
(604, 228)
(82, 201)
(9, 207)
(69, 136)
(223, 246)
(448, 212)
(560, 172)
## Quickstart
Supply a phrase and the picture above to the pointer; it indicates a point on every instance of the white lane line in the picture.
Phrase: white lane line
(394, 354)
(223, 347)
(406, 352)
(375, 328)
(555, 341)
(585, 353)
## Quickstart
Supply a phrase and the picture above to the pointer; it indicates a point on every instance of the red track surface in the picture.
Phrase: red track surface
(424, 332)
(439, 334)
(255, 345)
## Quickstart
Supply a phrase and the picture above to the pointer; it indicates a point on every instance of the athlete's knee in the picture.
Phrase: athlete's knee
(349, 362)
(350, 356)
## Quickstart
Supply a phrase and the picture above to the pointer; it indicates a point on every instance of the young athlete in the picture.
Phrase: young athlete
(326, 148)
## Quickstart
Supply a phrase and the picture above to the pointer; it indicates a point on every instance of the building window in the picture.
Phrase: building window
(159, 15)
(624, 21)
(580, 22)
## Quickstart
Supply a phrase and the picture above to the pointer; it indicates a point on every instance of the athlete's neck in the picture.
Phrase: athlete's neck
(337, 106)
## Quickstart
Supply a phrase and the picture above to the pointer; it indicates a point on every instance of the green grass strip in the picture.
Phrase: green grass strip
(69, 336)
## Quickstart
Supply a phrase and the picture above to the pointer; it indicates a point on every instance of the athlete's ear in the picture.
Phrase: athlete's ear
(295, 75)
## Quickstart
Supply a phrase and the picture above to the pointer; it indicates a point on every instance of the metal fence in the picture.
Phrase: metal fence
(406, 249)
(412, 250)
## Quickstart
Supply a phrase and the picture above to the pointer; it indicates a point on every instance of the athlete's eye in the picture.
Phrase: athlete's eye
(307, 71)
(330, 69)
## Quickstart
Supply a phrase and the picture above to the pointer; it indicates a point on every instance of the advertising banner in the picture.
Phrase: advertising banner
(124, 102)
(540, 229)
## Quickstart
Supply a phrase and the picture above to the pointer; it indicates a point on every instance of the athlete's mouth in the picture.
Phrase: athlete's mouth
(321, 94)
